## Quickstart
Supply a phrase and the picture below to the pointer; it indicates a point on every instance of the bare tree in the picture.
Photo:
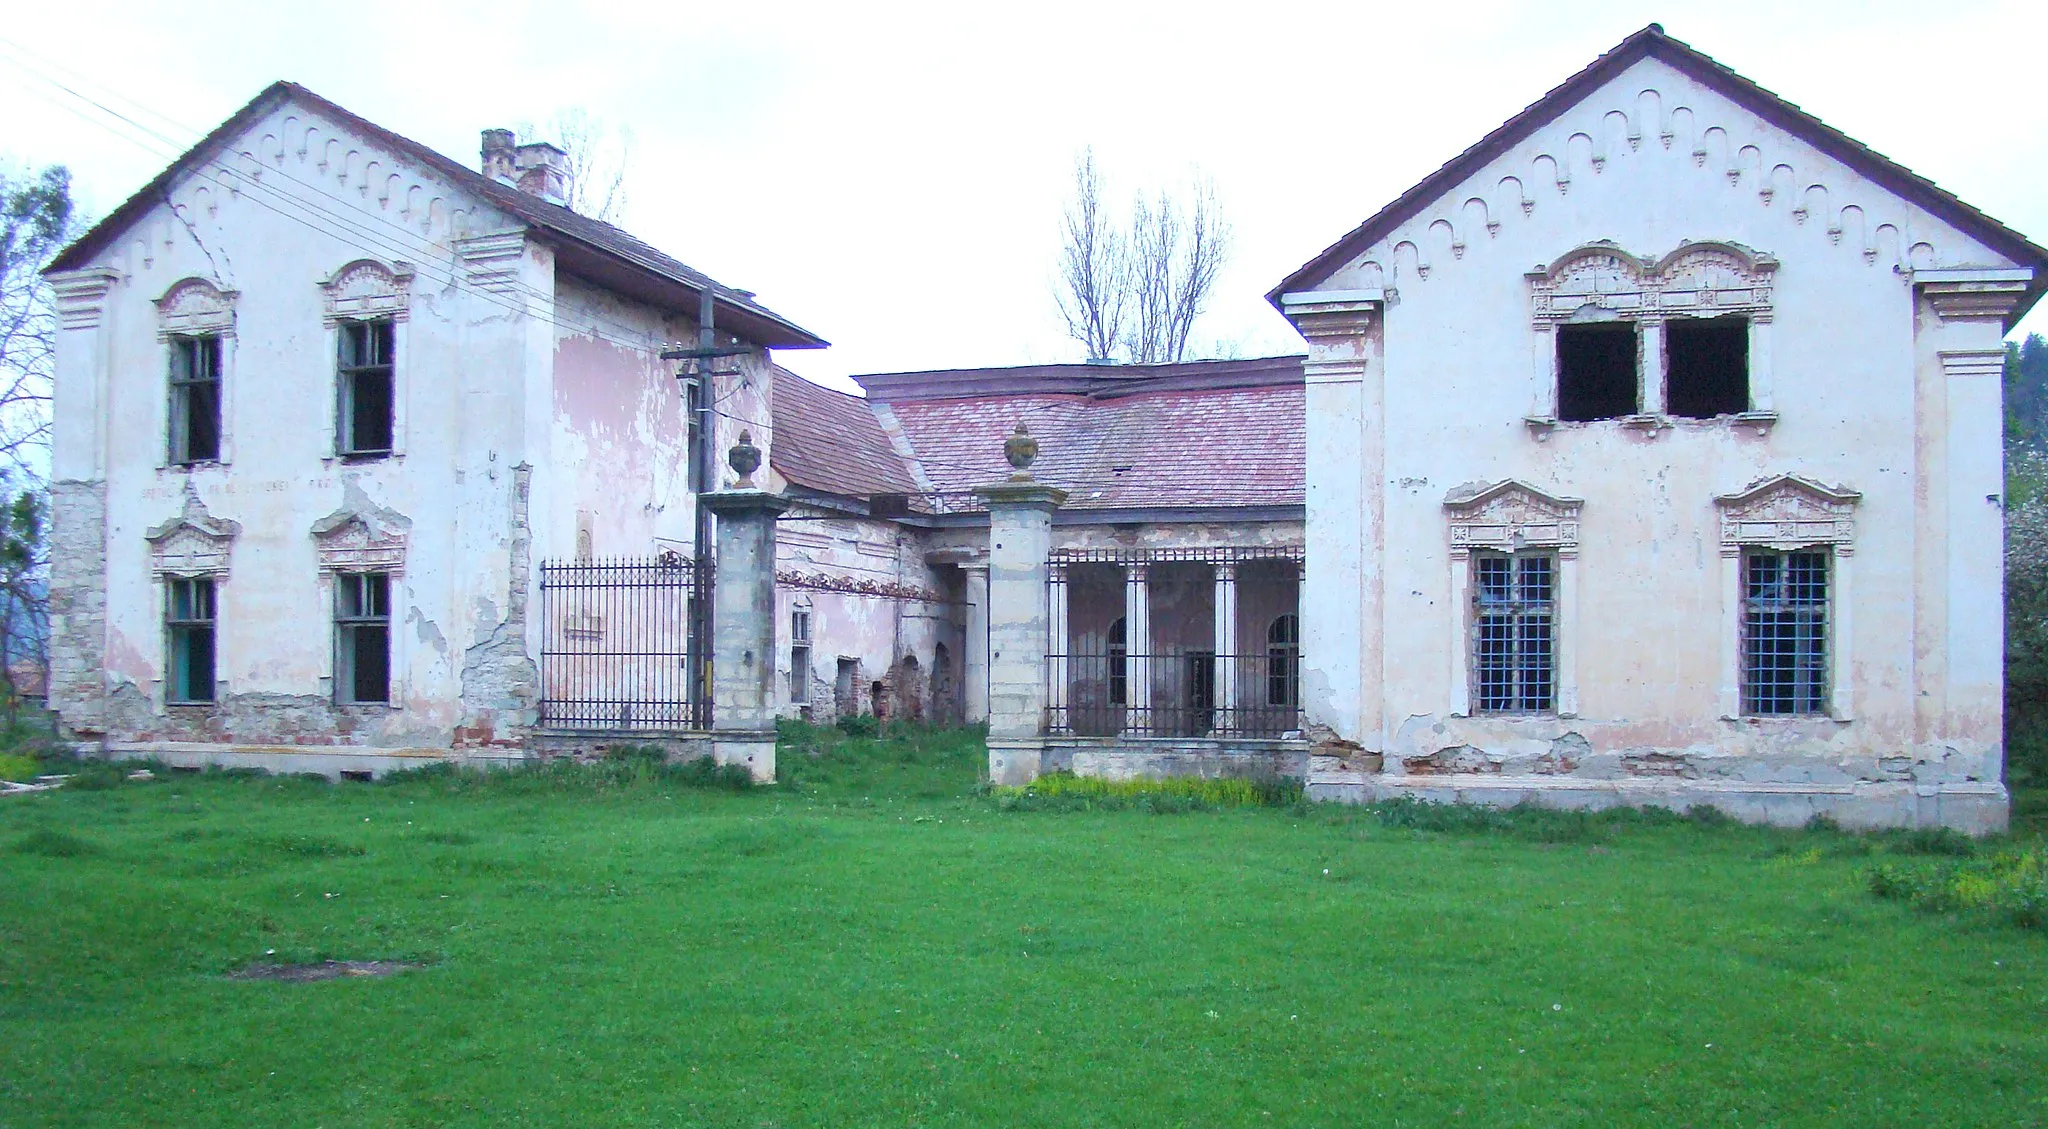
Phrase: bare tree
(1134, 293)
(600, 156)
(1094, 268)
(36, 218)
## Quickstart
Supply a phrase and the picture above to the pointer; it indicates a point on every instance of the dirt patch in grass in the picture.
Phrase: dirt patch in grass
(323, 970)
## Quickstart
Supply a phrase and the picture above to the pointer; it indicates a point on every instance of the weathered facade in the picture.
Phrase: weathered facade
(1654, 457)
(326, 405)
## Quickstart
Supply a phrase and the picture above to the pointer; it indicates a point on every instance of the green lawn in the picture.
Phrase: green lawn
(875, 943)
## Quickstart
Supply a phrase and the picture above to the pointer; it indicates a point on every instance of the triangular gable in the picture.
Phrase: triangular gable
(607, 254)
(1651, 42)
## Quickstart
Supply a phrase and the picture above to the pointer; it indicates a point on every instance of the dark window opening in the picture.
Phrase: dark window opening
(1119, 665)
(362, 637)
(800, 656)
(1512, 643)
(195, 399)
(1785, 633)
(1283, 662)
(365, 388)
(693, 422)
(189, 634)
(1706, 366)
(1596, 371)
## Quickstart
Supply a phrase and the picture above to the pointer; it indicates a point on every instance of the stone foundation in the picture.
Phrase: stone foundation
(1129, 758)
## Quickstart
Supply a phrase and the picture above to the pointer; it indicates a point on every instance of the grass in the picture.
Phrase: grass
(882, 941)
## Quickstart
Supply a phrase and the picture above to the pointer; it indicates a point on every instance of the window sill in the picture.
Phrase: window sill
(197, 464)
(358, 458)
(1651, 423)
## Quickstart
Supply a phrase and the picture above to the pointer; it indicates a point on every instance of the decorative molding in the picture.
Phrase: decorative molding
(195, 306)
(366, 289)
(1955, 296)
(1697, 279)
(491, 262)
(195, 543)
(361, 538)
(855, 586)
(81, 295)
(1340, 315)
(1510, 515)
(1963, 363)
(1788, 512)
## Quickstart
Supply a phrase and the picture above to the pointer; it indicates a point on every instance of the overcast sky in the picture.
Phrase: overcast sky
(891, 177)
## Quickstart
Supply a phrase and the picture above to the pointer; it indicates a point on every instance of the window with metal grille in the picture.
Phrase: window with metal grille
(195, 399)
(1785, 632)
(1283, 662)
(800, 655)
(189, 639)
(1119, 665)
(362, 637)
(363, 387)
(1513, 632)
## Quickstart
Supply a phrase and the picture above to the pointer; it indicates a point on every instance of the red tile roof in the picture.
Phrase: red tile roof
(1203, 434)
(831, 442)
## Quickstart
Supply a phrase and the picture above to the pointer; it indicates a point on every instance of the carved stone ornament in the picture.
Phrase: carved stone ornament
(195, 543)
(1695, 280)
(1020, 448)
(367, 288)
(361, 538)
(195, 306)
(1511, 515)
(744, 458)
(1788, 512)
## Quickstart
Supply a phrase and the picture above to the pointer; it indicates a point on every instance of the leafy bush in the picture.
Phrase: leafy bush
(621, 766)
(860, 725)
(2010, 885)
(1062, 791)
(18, 768)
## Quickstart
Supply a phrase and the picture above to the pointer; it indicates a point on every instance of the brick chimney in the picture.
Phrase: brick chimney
(536, 168)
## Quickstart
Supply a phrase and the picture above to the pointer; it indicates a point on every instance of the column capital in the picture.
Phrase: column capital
(1333, 313)
(1973, 295)
(81, 294)
(740, 503)
(1136, 572)
(1026, 494)
(1226, 570)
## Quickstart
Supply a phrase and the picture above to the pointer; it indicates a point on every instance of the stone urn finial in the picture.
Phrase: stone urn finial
(745, 459)
(1020, 448)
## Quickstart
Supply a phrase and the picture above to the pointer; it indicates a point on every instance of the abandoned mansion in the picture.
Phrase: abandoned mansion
(1648, 452)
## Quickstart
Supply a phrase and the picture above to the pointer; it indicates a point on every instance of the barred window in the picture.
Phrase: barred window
(362, 637)
(800, 655)
(195, 399)
(363, 387)
(1785, 632)
(189, 639)
(1283, 662)
(1513, 640)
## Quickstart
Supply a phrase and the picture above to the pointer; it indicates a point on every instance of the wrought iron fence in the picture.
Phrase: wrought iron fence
(624, 644)
(1177, 693)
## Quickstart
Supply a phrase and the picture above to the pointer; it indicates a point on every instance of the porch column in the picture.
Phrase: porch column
(1058, 647)
(1019, 545)
(1226, 647)
(743, 619)
(976, 673)
(1137, 650)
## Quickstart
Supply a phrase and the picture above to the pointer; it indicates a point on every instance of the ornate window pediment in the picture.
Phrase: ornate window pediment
(195, 543)
(1600, 280)
(193, 307)
(367, 288)
(1788, 512)
(361, 539)
(1510, 515)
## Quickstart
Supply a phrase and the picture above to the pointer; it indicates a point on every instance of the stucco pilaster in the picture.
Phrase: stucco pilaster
(977, 642)
(743, 629)
(1959, 636)
(1019, 632)
(1343, 683)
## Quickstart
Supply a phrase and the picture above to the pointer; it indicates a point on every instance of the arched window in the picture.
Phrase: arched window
(1283, 662)
(1119, 665)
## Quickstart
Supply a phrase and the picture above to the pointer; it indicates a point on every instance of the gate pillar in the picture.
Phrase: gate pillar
(743, 620)
(1019, 614)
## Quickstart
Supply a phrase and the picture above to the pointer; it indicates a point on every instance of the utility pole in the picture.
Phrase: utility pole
(701, 430)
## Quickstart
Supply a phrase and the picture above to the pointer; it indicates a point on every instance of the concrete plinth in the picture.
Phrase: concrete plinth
(743, 629)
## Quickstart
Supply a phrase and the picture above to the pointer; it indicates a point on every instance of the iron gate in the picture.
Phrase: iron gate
(624, 644)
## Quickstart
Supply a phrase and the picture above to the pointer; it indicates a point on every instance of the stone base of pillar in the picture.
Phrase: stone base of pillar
(753, 751)
(1013, 762)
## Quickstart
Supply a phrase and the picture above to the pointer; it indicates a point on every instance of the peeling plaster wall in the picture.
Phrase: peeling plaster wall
(469, 367)
(1649, 162)
(896, 641)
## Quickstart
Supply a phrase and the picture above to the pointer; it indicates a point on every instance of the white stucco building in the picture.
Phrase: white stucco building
(1654, 456)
